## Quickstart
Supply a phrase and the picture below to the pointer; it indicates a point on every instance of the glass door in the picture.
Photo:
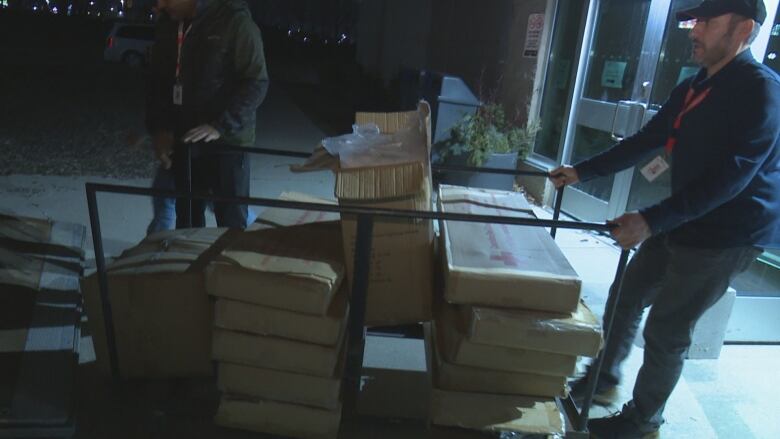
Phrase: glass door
(618, 63)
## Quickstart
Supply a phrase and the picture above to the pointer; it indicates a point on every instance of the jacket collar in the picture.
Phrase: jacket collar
(701, 81)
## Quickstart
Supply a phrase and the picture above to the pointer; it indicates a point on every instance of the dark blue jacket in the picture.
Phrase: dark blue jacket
(725, 165)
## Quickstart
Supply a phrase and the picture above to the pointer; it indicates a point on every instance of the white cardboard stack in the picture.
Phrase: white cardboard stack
(510, 335)
(280, 317)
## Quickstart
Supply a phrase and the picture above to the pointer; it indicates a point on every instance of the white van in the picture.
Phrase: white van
(129, 43)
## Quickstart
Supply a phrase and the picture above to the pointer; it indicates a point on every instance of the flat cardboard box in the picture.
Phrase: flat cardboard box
(482, 411)
(276, 217)
(577, 333)
(297, 268)
(450, 376)
(162, 314)
(500, 265)
(459, 349)
(278, 418)
(246, 317)
(275, 353)
(278, 385)
(394, 173)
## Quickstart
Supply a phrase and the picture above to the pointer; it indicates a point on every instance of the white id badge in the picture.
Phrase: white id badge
(655, 168)
(178, 92)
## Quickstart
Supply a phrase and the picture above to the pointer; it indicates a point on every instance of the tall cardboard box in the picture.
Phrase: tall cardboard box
(500, 265)
(162, 314)
(389, 170)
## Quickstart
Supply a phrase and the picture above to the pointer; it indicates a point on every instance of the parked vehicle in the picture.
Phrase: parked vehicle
(129, 43)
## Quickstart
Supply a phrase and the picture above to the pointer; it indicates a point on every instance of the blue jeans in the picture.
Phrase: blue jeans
(165, 208)
(680, 283)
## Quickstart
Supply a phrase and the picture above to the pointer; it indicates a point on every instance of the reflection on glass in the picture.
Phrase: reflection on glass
(674, 64)
(560, 74)
(772, 58)
(617, 46)
(589, 142)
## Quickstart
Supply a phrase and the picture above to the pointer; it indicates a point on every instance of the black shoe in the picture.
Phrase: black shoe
(621, 426)
(605, 394)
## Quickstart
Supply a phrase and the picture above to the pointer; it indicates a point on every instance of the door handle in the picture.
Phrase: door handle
(612, 134)
(636, 113)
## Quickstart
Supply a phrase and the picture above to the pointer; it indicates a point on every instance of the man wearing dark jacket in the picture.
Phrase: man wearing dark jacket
(208, 76)
(718, 135)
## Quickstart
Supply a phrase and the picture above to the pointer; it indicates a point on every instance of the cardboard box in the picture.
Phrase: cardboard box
(458, 349)
(162, 314)
(278, 418)
(500, 265)
(577, 333)
(277, 385)
(275, 217)
(297, 268)
(245, 317)
(450, 376)
(274, 353)
(390, 170)
(481, 411)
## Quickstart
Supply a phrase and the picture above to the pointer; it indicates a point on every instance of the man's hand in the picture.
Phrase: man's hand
(163, 147)
(631, 230)
(205, 133)
(564, 176)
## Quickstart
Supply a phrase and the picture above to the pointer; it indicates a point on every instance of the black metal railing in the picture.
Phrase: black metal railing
(365, 222)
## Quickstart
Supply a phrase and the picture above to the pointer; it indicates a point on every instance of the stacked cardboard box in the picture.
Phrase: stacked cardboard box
(389, 168)
(279, 330)
(509, 336)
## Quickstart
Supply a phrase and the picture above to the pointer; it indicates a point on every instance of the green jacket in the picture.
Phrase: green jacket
(223, 73)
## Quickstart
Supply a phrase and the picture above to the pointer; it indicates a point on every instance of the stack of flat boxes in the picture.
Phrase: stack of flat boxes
(279, 330)
(513, 326)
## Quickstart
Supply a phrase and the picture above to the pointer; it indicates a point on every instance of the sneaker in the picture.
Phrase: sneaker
(621, 426)
(605, 394)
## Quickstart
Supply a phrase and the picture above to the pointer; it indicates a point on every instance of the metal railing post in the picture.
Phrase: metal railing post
(100, 263)
(357, 312)
(609, 314)
(557, 209)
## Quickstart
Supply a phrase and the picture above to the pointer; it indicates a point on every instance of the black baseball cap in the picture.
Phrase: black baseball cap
(754, 9)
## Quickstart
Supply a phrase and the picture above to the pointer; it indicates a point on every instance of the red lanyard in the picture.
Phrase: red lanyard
(180, 42)
(692, 100)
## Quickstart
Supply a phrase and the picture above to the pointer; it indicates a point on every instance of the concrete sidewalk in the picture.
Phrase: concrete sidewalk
(124, 218)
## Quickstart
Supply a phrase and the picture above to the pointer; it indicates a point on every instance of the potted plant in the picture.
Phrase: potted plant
(486, 139)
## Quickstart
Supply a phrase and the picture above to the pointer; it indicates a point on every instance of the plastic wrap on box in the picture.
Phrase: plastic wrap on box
(578, 333)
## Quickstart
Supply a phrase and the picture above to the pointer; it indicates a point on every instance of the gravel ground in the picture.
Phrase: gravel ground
(63, 111)
(72, 119)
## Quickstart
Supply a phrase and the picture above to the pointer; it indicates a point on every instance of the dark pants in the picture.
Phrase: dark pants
(680, 283)
(225, 174)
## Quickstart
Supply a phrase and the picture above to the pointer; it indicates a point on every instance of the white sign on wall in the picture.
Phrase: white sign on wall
(533, 35)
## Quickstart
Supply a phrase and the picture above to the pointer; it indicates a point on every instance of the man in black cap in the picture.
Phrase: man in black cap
(719, 132)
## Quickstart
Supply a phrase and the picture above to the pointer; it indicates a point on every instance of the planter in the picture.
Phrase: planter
(482, 180)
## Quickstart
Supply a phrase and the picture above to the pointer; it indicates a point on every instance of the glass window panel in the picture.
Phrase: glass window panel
(560, 77)
(616, 48)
